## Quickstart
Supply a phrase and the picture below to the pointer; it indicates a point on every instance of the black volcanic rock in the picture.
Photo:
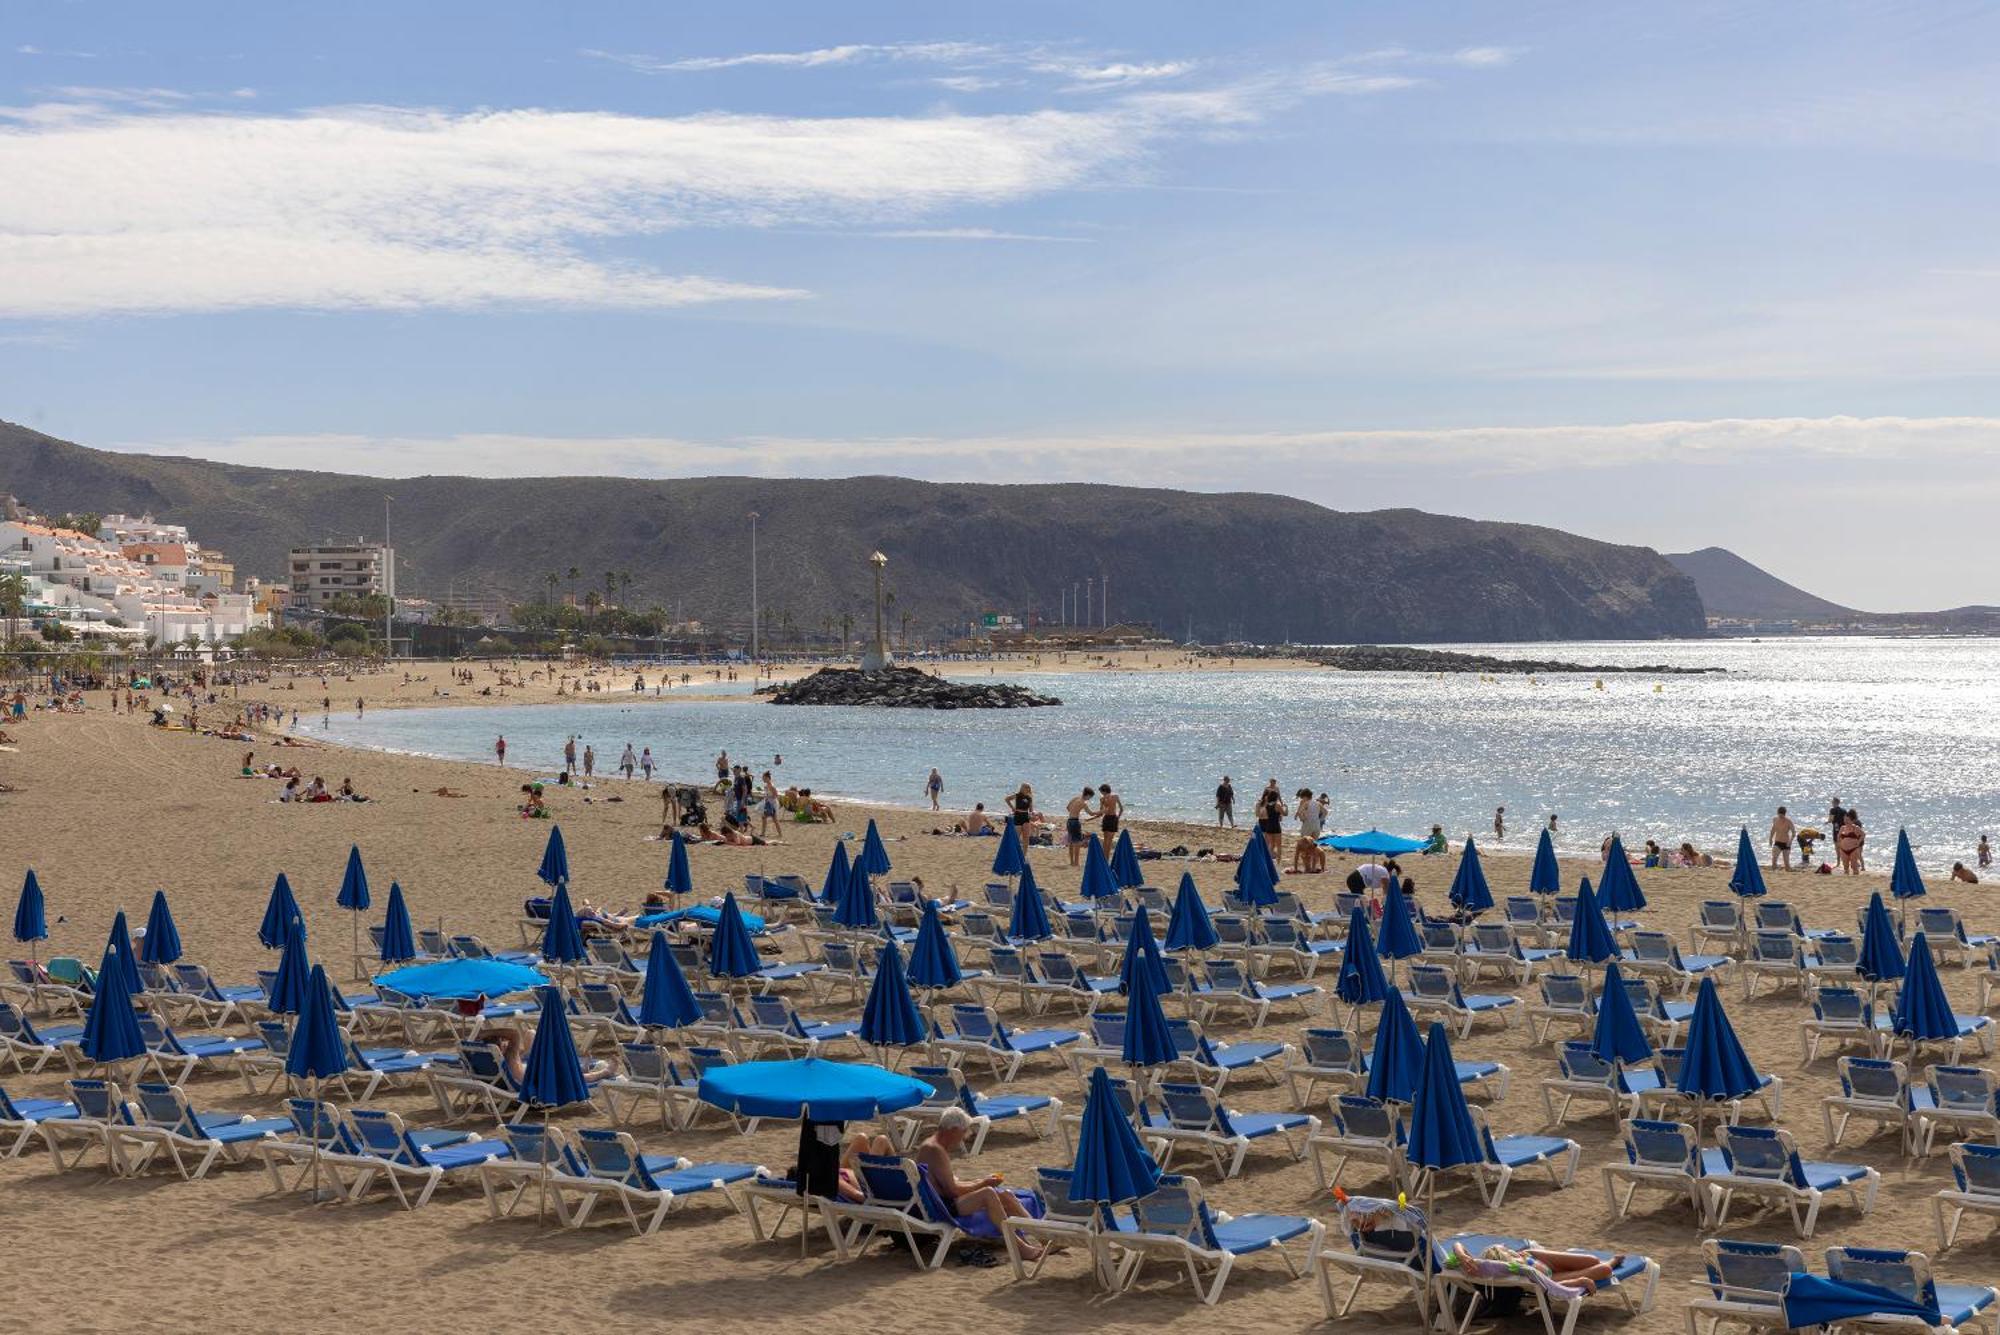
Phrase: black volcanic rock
(1402, 658)
(902, 688)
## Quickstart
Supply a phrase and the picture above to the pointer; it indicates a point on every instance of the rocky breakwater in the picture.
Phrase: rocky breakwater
(901, 688)
(1400, 658)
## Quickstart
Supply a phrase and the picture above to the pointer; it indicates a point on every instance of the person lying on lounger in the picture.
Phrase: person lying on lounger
(1576, 1271)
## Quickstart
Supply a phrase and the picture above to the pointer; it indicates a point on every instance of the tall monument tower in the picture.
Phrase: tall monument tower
(876, 656)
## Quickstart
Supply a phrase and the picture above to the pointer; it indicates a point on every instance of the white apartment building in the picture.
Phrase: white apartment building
(94, 583)
(330, 570)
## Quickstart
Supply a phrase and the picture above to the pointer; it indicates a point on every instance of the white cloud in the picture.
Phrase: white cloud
(847, 54)
(27, 49)
(970, 234)
(1483, 57)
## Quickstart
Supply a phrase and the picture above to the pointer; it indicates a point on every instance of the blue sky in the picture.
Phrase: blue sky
(1674, 275)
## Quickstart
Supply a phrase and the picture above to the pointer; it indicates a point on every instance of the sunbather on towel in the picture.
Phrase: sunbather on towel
(982, 1208)
(1563, 1274)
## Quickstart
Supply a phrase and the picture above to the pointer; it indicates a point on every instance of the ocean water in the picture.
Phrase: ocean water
(1906, 729)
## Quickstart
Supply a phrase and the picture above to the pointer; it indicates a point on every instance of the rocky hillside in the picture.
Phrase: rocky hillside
(1732, 587)
(1241, 565)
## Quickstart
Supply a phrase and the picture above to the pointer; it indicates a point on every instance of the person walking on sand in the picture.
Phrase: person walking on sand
(1074, 815)
(934, 787)
(1225, 804)
(569, 755)
(589, 760)
(1985, 852)
(1021, 812)
(1499, 824)
(500, 750)
(1110, 815)
(646, 763)
(628, 761)
(768, 817)
(1271, 819)
(1782, 831)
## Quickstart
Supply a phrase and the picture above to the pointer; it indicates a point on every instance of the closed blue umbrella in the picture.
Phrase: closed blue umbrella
(1142, 952)
(552, 1077)
(933, 962)
(1618, 1037)
(279, 911)
(554, 870)
(1125, 867)
(1399, 1052)
(318, 1050)
(838, 873)
(462, 979)
(1590, 939)
(874, 853)
(289, 994)
(119, 944)
(1905, 882)
(1441, 1132)
(1714, 1067)
(1923, 1012)
(1545, 876)
(1469, 890)
(562, 942)
(162, 944)
(1148, 1040)
(1361, 981)
(1030, 919)
(1397, 937)
(680, 875)
(30, 915)
(810, 1087)
(1618, 890)
(889, 1017)
(398, 941)
(1881, 959)
(1098, 882)
(1746, 878)
(666, 1001)
(353, 894)
(1007, 858)
(1189, 927)
(855, 908)
(111, 1030)
(1257, 874)
(731, 953)
(1111, 1164)
(1813, 1302)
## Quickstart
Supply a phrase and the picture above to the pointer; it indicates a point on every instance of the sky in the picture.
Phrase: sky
(1674, 275)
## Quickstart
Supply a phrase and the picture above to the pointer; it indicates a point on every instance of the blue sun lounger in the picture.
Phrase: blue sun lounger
(22, 1119)
(166, 1123)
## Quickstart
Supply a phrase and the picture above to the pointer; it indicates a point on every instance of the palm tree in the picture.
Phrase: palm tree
(13, 601)
(624, 585)
(573, 574)
(549, 598)
(591, 602)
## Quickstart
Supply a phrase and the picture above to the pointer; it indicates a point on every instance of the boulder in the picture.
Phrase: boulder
(901, 688)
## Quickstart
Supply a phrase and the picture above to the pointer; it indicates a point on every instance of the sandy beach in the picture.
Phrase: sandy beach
(106, 809)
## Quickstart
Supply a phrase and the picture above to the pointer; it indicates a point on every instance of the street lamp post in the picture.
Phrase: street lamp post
(388, 585)
(877, 657)
(754, 642)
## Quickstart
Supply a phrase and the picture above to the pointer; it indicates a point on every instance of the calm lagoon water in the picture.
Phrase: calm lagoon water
(1908, 730)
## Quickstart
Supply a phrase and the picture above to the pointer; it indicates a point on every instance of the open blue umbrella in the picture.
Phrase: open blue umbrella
(462, 979)
(1257, 874)
(874, 853)
(1746, 878)
(1714, 1067)
(838, 872)
(398, 941)
(1814, 1301)
(666, 1001)
(289, 994)
(1545, 876)
(1148, 1040)
(1098, 882)
(552, 1077)
(1441, 1132)
(1619, 1038)
(1111, 1164)
(1189, 927)
(1360, 981)
(1374, 843)
(1007, 858)
(554, 870)
(1125, 867)
(731, 953)
(1881, 959)
(855, 909)
(1618, 889)
(1399, 1052)
(111, 1029)
(1469, 891)
(890, 1018)
(31, 922)
(562, 941)
(279, 911)
(1030, 919)
(933, 962)
(1590, 939)
(162, 943)
(680, 875)
(119, 944)
(1923, 1012)
(1397, 937)
(1142, 952)
(1905, 881)
(810, 1087)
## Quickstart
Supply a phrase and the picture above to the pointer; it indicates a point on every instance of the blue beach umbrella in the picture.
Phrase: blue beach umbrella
(398, 941)
(1030, 919)
(1125, 862)
(162, 944)
(838, 873)
(731, 953)
(1397, 937)
(1812, 1302)
(1399, 1052)
(874, 853)
(1360, 981)
(1618, 889)
(462, 979)
(279, 911)
(933, 962)
(1441, 1132)
(1469, 891)
(1590, 939)
(890, 1018)
(1111, 1165)
(1881, 959)
(666, 1001)
(119, 944)
(1142, 952)
(1375, 843)
(552, 1077)
(1905, 882)
(288, 990)
(1098, 882)
(1257, 874)
(1714, 1067)
(319, 1049)
(111, 1029)
(1746, 878)
(1148, 1040)
(1923, 1012)
(562, 942)
(1007, 858)
(1618, 1037)
(855, 909)
(1189, 927)
(554, 870)
(31, 922)
(810, 1087)
(680, 875)
(1545, 876)
(353, 894)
